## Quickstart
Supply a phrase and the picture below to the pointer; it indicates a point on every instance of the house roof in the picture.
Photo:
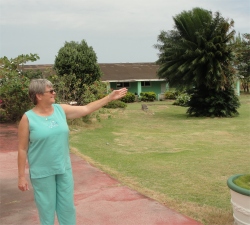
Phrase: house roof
(116, 72)
(47, 69)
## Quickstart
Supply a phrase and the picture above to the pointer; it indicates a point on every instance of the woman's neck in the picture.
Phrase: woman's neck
(43, 110)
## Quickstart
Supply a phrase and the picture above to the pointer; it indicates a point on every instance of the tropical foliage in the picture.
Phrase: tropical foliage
(213, 103)
(14, 87)
(195, 55)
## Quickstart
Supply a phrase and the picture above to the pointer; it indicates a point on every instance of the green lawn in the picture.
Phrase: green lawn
(182, 162)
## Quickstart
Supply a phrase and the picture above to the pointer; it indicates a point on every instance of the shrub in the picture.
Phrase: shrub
(147, 96)
(171, 94)
(93, 92)
(128, 98)
(116, 104)
(67, 87)
(14, 94)
(14, 87)
(182, 99)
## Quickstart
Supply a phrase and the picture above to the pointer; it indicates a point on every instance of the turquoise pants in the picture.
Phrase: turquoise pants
(55, 194)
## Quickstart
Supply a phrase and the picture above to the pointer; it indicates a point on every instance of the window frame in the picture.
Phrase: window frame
(123, 84)
(143, 84)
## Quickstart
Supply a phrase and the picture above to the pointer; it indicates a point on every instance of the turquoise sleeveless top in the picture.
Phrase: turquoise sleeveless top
(48, 152)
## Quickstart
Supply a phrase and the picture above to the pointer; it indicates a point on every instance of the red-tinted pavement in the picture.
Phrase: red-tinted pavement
(99, 199)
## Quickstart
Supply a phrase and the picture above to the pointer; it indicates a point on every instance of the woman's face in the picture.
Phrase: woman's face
(49, 94)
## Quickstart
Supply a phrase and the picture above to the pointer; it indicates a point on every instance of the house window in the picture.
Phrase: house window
(122, 84)
(145, 84)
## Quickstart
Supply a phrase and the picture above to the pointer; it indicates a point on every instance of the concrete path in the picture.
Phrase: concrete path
(99, 199)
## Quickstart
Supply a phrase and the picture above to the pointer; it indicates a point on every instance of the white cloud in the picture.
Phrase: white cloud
(109, 14)
(107, 25)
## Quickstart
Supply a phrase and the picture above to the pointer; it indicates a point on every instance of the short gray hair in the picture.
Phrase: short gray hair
(38, 86)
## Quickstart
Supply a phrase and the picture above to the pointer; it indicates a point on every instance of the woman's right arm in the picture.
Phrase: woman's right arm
(23, 139)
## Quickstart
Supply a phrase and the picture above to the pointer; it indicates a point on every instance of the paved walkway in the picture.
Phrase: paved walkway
(99, 199)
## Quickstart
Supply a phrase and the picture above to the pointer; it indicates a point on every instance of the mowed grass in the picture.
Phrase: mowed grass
(182, 162)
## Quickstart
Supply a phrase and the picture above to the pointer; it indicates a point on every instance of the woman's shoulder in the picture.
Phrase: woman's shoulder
(24, 121)
(29, 112)
(56, 105)
(59, 107)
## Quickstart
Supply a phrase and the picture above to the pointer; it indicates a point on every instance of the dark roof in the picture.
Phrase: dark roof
(116, 71)
(37, 67)
(128, 71)
(47, 69)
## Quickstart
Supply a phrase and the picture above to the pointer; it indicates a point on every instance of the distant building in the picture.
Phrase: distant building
(137, 77)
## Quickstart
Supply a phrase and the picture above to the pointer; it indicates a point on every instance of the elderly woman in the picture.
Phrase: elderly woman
(43, 136)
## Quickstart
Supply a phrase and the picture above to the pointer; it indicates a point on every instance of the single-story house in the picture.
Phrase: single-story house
(137, 77)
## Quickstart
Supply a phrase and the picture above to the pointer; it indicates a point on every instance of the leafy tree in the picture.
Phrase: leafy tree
(17, 63)
(241, 45)
(196, 56)
(14, 87)
(79, 59)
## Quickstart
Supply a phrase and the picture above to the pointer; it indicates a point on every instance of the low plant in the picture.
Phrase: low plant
(116, 104)
(243, 181)
(128, 98)
(182, 99)
(147, 96)
(171, 94)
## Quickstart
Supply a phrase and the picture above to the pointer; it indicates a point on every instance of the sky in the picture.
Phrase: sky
(118, 31)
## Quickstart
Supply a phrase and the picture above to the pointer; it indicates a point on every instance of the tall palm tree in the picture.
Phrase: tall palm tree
(196, 56)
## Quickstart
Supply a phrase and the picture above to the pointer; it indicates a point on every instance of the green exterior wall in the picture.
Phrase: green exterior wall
(157, 87)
